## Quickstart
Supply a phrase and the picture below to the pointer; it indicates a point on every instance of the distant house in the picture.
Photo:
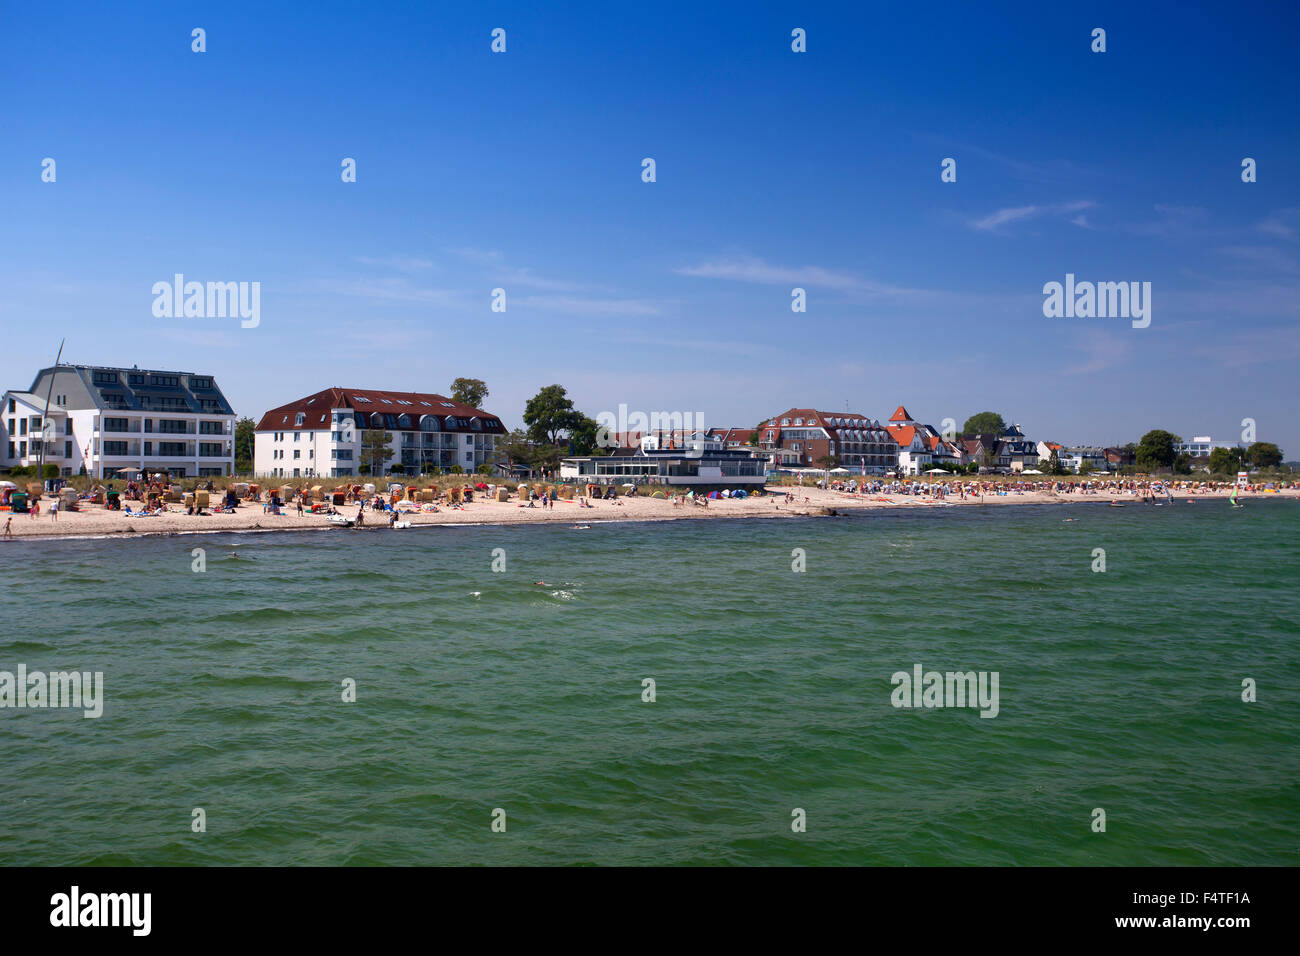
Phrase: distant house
(1117, 458)
(110, 420)
(1015, 452)
(320, 435)
(1083, 456)
(805, 436)
(920, 446)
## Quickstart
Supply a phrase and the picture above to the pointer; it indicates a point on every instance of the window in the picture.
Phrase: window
(22, 449)
(166, 381)
(12, 407)
(13, 426)
(210, 449)
(785, 421)
(105, 378)
(67, 449)
(212, 428)
(117, 448)
(135, 379)
(297, 435)
(201, 383)
(299, 419)
(296, 454)
(115, 425)
(361, 398)
(11, 450)
(448, 404)
(22, 426)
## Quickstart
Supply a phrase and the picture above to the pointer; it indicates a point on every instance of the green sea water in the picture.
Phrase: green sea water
(477, 690)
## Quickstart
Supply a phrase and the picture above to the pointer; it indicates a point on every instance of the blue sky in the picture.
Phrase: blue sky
(775, 169)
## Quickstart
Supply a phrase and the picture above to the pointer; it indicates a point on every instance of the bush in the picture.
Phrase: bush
(484, 469)
(456, 470)
(363, 468)
(18, 471)
(397, 470)
(50, 471)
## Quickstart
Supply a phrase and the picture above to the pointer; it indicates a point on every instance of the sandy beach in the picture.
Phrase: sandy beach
(95, 521)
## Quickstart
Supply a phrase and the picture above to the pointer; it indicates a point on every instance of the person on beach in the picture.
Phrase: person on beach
(9, 530)
(300, 506)
(54, 510)
(35, 508)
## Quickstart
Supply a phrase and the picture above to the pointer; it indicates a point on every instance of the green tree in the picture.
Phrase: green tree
(1264, 454)
(550, 415)
(1156, 450)
(583, 437)
(1053, 464)
(375, 449)
(50, 471)
(828, 462)
(245, 429)
(1225, 461)
(514, 448)
(469, 391)
(985, 422)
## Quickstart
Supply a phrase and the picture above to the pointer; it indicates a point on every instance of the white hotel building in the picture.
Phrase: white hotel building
(320, 436)
(108, 419)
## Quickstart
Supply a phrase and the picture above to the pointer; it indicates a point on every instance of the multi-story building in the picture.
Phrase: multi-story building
(112, 420)
(1202, 445)
(321, 435)
(813, 438)
(1083, 457)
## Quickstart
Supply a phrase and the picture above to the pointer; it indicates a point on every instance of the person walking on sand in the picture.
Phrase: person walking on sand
(9, 530)
(54, 510)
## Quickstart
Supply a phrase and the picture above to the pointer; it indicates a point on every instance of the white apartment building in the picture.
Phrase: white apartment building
(108, 419)
(320, 436)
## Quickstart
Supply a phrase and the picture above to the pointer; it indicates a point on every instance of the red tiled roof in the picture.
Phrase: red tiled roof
(316, 408)
(902, 434)
(901, 414)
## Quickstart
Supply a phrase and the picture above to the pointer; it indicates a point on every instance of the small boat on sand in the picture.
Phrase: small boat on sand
(341, 521)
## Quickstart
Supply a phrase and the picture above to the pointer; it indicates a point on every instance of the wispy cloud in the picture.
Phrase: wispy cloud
(1172, 221)
(1100, 350)
(757, 271)
(399, 263)
(576, 305)
(1281, 224)
(1010, 214)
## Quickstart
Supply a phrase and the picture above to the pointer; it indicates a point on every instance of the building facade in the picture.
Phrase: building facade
(809, 438)
(703, 465)
(108, 420)
(322, 435)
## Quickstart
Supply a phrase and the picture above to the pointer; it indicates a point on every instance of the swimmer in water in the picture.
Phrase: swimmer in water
(541, 584)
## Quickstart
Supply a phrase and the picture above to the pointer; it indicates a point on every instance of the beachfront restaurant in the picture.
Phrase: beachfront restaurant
(679, 468)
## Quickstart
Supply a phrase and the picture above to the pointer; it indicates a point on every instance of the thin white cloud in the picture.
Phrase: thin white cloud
(757, 271)
(1010, 214)
(399, 263)
(575, 305)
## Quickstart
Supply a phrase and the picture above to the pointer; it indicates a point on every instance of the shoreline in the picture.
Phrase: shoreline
(97, 523)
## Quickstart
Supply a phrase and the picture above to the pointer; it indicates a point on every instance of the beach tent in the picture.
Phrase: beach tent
(1031, 471)
(936, 471)
(839, 471)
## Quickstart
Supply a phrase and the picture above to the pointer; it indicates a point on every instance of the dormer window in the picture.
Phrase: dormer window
(299, 419)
